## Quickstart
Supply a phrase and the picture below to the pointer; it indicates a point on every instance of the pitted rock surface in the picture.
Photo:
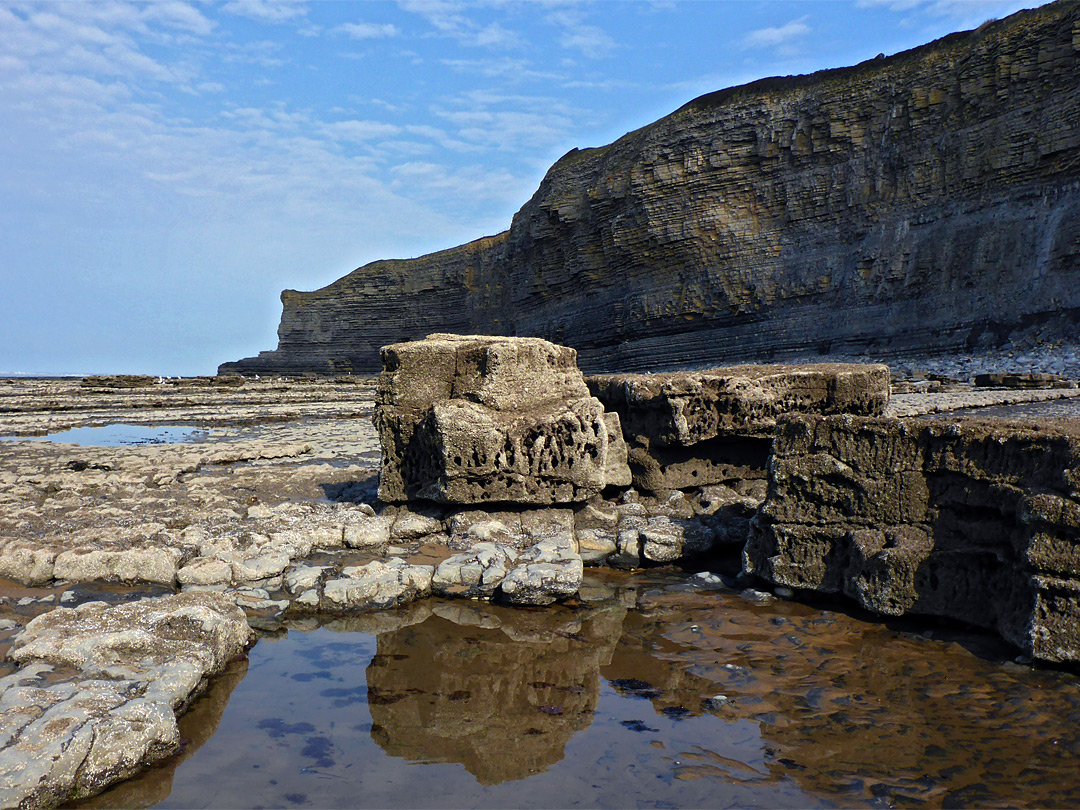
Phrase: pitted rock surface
(99, 687)
(469, 420)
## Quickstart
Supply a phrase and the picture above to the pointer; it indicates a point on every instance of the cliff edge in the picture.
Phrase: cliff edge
(925, 202)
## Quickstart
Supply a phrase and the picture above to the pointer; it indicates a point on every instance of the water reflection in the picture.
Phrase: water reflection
(649, 694)
(499, 690)
(120, 435)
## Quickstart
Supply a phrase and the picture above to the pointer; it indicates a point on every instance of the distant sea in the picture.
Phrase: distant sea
(45, 374)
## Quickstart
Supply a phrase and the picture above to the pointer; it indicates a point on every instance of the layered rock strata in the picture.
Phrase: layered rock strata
(977, 520)
(98, 689)
(466, 420)
(933, 197)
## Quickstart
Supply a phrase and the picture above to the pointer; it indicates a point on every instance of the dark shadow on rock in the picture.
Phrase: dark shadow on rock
(363, 490)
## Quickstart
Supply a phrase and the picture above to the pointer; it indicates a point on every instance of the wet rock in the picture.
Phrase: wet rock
(595, 546)
(665, 540)
(132, 668)
(468, 420)
(596, 514)
(302, 578)
(1028, 380)
(156, 565)
(379, 584)
(204, 571)
(26, 564)
(549, 571)
(474, 574)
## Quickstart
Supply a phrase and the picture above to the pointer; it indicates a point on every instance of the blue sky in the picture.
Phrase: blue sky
(167, 168)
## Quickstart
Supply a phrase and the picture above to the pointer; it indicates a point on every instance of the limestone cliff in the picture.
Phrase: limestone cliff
(926, 201)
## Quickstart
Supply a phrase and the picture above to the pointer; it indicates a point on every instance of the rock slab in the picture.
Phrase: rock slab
(99, 687)
(699, 428)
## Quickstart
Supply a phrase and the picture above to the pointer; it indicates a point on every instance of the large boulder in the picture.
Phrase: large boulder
(470, 420)
(976, 520)
(699, 428)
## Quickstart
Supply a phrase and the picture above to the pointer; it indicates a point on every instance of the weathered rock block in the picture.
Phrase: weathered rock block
(378, 585)
(549, 571)
(698, 428)
(473, 574)
(684, 408)
(469, 420)
(977, 520)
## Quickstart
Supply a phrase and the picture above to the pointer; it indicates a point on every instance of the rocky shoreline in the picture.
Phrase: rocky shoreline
(277, 511)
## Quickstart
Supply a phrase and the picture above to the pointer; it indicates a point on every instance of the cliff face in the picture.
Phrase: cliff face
(924, 202)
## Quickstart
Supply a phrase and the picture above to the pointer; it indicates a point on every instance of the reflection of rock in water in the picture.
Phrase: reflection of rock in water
(852, 708)
(197, 725)
(499, 690)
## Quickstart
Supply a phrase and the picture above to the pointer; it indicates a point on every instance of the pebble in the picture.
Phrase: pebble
(756, 596)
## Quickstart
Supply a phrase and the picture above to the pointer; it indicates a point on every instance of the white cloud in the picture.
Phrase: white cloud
(450, 18)
(775, 36)
(446, 15)
(505, 68)
(178, 15)
(961, 13)
(589, 40)
(360, 130)
(366, 30)
(269, 11)
(495, 36)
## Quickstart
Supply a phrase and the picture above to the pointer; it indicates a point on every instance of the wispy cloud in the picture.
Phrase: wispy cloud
(360, 131)
(965, 13)
(777, 36)
(268, 11)
(577, 35)
(366, 30)
(506, 68)
(451, 18)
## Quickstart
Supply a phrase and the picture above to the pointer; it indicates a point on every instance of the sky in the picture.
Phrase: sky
(167, 168)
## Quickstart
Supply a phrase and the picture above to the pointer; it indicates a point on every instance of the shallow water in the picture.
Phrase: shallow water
(648, 693)
(120, 435)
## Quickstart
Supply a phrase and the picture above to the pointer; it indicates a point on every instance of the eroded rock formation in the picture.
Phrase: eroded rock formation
(693, 429)
(977, 520)
(933, 197)
(466, 420)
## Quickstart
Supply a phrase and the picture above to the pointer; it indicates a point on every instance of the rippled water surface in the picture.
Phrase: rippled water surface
(648, 693)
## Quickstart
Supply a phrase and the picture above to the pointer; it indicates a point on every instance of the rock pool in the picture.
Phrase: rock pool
(649, 692)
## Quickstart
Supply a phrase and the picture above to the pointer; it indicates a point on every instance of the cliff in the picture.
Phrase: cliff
(925, 202)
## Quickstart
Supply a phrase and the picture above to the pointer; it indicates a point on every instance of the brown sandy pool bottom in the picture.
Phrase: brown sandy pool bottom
(648, 693)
